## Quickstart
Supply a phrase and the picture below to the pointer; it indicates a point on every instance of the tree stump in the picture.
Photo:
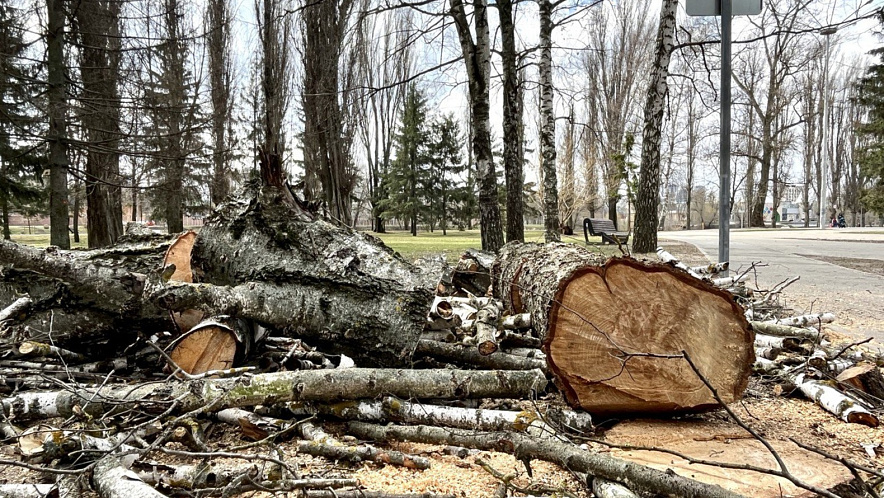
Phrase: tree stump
(614, 330)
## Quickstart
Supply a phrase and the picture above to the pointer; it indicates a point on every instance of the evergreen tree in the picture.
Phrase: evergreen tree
(409, 172)
(445, 162)
(175, 118)
(871, 157)
(20, 165)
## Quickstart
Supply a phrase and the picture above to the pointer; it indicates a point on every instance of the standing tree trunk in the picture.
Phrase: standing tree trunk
(512, 126)
(58, 160)
(548, 127)
(477, 56)
(647, 200)
(218, 15)
(98, 24)
(326, 143)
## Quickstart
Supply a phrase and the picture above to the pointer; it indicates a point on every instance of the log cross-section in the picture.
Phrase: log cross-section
(614, 330)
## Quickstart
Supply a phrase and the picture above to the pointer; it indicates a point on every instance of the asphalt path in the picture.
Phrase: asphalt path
(787, 253)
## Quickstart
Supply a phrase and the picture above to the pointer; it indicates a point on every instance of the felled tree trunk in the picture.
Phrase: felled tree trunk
(344, 290)
(614, 331)
(83, 298)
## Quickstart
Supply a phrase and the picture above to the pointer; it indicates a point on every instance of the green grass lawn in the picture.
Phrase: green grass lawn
(425, 244)
(455, 242)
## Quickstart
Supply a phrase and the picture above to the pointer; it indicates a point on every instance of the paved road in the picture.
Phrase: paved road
(858, 294)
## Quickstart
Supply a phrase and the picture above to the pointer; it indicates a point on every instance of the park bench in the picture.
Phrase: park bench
(605, 229)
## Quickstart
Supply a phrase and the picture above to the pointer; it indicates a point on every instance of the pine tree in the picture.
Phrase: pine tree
(20, 165)
(871, 157)
(408, 173)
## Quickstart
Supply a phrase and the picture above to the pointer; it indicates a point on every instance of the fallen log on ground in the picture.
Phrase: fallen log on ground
(566, 455)
(834, 401)
(613, 331)
(266, 389)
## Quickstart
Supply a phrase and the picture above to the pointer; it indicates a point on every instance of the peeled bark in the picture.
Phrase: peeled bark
(614, 331)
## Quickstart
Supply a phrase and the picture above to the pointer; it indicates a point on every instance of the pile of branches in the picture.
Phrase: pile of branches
(117, 362)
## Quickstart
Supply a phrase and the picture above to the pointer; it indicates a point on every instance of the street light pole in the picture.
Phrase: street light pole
(824, 167)
(724, 198)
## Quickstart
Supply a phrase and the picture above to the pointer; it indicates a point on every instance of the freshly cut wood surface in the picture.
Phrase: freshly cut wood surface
(179, 255)
(612, 329)
(208, 348)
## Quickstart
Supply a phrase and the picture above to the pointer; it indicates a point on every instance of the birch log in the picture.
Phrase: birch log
(613, 331)
(779, 330)
(836, 402)
(265, 389)
(112, 479)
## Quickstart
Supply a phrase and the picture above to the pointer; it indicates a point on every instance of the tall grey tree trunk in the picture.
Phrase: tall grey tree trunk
(326, 142)
(548, 127)
(274, 30)
(512, 126)
(98, 24)
(477, 56)
(58, 160)
(218, 15)
(648, 198)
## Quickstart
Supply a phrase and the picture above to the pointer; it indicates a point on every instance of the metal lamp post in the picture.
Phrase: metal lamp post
(824, 167)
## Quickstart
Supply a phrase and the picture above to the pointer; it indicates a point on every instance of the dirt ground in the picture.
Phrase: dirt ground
(778, 417)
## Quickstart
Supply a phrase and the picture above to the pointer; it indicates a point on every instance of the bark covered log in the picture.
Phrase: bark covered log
(613, 331)
(265, 389)
(112, 479)
(347, 291)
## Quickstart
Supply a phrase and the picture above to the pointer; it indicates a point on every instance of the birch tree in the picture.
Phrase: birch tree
(512, 125)
(477, 57)
(647, 199)
(548, 126)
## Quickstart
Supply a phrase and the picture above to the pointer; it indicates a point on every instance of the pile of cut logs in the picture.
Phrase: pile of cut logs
(274, 320)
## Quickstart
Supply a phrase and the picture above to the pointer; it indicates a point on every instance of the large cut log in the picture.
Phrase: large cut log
(346, 290)
(614, 331)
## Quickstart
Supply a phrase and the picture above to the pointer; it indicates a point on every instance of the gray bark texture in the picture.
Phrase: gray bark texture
(548, 127)
(613, 331)
(567, 455)
(512, 125)
(58, 150)
(342, 289)
(477, 56)
(81, 298)
(648, 197)
(267, 389)
(98, 25)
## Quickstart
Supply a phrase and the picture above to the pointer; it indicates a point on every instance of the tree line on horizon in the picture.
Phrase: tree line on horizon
(106, 103)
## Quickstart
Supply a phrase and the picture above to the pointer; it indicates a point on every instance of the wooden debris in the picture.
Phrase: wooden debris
(835, 401)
